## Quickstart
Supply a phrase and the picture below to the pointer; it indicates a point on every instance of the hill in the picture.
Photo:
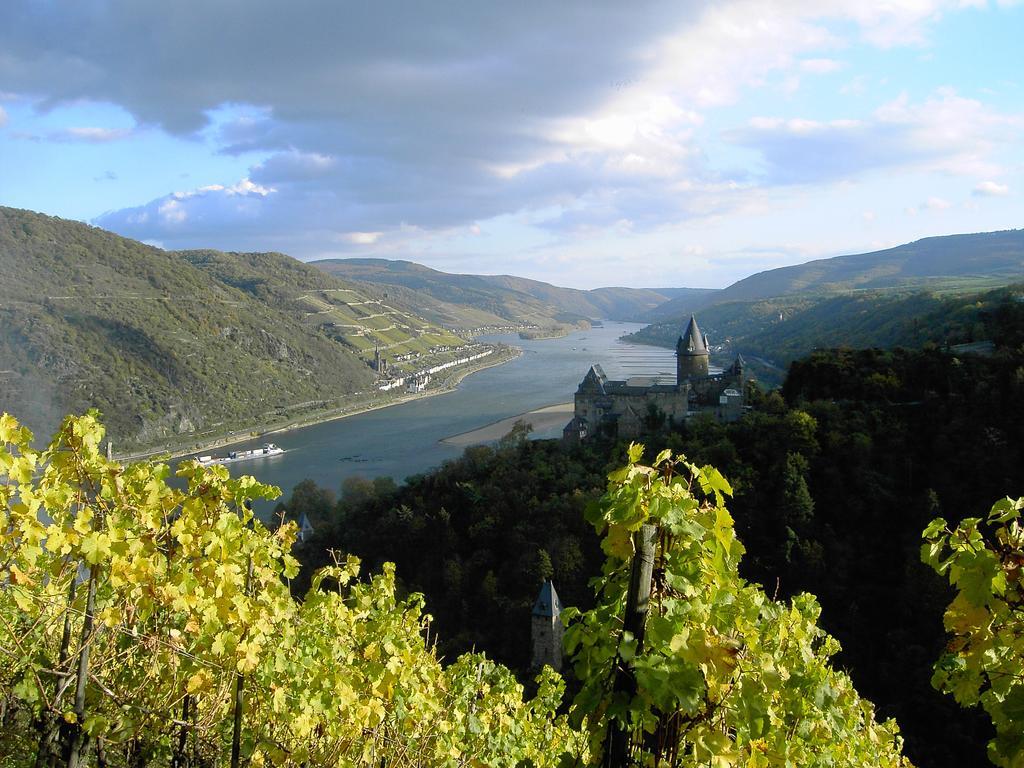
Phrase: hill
(779, 330)
(952, 262)
(933, 262)
(170, 345)
(598, 303)
(901, 296)
(461, 301)
(469, 301)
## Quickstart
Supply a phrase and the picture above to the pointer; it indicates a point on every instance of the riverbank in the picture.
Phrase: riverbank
(541, 419)
(449, 384)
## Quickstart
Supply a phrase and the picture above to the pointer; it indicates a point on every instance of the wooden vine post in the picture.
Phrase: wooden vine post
(617, 744)
(236, 726)
(79, 738)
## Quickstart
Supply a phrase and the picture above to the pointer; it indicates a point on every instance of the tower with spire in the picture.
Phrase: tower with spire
(546, 629)
(691, 353)
(630, 407)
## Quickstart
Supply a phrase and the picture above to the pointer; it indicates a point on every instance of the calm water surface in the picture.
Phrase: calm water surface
(405, 439)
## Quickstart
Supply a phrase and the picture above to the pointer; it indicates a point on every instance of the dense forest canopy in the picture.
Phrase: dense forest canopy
(835, 476)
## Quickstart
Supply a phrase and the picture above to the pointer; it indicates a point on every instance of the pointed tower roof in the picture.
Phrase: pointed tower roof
(548, 605)
(305, 528)
(594, 380)
(692, 342)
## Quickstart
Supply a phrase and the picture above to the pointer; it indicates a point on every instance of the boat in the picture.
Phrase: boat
(268, 449)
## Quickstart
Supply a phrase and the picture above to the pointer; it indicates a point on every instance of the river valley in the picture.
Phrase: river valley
(406, 439)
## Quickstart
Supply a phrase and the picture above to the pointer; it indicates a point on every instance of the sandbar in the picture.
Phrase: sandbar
(542, 419)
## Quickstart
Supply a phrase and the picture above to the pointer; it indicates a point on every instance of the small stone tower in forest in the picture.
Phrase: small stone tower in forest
(546, 629)
(691, 353)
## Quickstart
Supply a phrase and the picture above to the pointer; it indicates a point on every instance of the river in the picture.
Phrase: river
(404, 439)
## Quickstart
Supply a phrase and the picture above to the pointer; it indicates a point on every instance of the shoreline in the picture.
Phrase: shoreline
(551, 415)
(324, 417)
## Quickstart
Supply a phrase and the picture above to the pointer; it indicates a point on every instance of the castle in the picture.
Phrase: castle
(626, 408)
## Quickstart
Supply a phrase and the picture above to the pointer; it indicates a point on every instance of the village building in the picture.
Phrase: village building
(628, 408)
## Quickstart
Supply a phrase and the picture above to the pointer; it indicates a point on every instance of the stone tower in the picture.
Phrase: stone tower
(691, 353)
(546, 629)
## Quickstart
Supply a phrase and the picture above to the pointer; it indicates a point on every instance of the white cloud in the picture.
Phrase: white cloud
(362, 238)
(990, 189)
(243, 187)
(215, 214)
(89, 134)
(3, 117)
(946, 133)
(172, 212)
(820, 66)
(937, 204)
(591, 115)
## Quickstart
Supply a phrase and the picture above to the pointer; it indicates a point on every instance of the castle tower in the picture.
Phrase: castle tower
(546, 629)
(737, 366)
(691, 353)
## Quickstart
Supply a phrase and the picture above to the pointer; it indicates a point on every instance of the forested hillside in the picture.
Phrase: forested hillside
(997, 255)
(171, 344)
(785, 328)
(962, 263)
(834, 478)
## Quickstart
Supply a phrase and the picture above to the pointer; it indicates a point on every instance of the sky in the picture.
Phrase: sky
(647, 144)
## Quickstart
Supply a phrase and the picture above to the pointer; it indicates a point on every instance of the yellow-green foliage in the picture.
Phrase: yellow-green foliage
(984, 662)
(159, 605)
(190, 594)
(726, 675)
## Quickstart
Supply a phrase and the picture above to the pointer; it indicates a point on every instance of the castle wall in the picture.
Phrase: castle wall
(627, 407)
(710, 388)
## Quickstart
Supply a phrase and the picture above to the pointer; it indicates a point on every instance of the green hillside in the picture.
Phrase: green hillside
(471, 301)
(782, 329)
(169, 345)
(461, 298)
(966, 257)
(597, 304)
(950, 263)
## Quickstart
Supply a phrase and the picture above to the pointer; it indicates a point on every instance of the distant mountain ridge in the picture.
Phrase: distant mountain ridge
(503, 298)
(894, 297)
(970, 260)
(986, 254)
(171, 344)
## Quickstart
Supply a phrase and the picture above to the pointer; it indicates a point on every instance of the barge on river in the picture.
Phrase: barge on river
(268, 449)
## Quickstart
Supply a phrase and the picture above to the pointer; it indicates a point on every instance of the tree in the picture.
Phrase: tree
(713, 672)
(983, 662)
(309, 499)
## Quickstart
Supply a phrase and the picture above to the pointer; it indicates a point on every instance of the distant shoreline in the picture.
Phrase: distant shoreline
(259, 431)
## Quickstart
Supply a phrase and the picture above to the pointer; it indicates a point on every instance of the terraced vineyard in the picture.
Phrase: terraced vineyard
(368, 324)
(175, 347)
